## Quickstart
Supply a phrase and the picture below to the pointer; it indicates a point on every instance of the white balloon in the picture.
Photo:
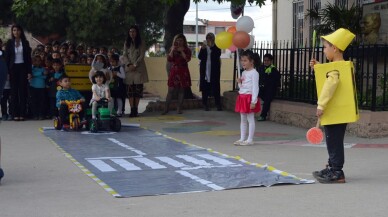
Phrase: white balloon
(251, 42)
(245, 23)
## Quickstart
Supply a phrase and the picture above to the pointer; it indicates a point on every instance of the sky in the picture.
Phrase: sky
(213, 11)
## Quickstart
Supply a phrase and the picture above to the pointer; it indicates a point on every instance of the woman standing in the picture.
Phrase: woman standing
(135, 68)
(179, 78)
(210, 72)
(19, 64)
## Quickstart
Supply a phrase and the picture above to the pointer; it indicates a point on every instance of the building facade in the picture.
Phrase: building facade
(290, 22)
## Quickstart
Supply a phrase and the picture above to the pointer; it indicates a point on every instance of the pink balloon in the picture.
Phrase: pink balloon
(232, 48)
(241, 39)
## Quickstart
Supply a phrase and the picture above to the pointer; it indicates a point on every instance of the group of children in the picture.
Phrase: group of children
(45, 77)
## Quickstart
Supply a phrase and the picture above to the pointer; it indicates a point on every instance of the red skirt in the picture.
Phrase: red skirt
(243, 104)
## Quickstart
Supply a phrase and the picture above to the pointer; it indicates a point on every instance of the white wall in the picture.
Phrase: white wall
(284, 18)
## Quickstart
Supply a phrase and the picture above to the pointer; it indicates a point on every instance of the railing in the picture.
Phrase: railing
(298, 83)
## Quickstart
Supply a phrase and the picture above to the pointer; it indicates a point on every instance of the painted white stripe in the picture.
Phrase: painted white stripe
(126, 165)
(211, 166)
(149, 163)
(216, 159)
(101, 165)
(202, 181)
(171, 162)
(108, 158)
(194, 160)
(126, 146)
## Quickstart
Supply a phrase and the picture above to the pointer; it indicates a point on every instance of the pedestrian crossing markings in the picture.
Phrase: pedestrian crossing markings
(136, 163)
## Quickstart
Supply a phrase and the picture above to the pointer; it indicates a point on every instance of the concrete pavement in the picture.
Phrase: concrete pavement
(41, 181)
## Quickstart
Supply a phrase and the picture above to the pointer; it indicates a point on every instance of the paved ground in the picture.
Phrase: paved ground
(41, 181)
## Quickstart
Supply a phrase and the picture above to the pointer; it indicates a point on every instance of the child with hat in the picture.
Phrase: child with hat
(333, 47)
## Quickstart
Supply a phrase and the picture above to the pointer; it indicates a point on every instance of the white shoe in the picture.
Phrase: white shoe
(246, 143)
(238, 142)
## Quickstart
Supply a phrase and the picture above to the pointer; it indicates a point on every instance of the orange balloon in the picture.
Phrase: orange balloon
(232, 29)
(241, 39)
(314, 135)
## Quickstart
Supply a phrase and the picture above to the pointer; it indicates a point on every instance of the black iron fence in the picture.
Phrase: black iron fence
(298, 83)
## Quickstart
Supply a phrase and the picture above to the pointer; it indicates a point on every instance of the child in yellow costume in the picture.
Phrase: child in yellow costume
(335, 82)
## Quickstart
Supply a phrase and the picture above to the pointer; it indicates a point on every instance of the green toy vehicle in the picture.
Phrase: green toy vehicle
(103, 121)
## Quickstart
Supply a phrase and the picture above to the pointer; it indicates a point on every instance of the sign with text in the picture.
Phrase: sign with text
(79, 75)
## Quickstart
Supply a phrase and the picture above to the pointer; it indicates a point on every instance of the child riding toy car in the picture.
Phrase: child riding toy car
(74, 120)
(104, 120)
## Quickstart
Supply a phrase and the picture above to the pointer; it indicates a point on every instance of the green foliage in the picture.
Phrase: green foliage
(6, 15)
(101, 22)
(257, 2)
(46, 19)
(333, 17)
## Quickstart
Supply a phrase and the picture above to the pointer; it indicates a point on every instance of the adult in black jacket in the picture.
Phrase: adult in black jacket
(19, 64)
(269, 83)
(210, 72)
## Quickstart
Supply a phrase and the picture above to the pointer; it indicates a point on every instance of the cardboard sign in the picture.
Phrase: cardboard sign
(79, 75)
(342, 107)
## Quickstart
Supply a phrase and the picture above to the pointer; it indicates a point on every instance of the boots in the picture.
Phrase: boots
(133, 112)
(136, 113)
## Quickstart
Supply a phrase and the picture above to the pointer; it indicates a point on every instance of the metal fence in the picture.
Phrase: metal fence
(298, 82)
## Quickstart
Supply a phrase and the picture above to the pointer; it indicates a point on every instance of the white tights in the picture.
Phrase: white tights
(247, 120)
(119, 104)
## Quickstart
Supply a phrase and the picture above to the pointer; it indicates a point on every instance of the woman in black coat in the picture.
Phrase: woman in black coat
(18, 60)
(210, 72)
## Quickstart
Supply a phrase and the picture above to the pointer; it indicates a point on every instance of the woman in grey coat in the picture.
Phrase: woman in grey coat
(135, 68)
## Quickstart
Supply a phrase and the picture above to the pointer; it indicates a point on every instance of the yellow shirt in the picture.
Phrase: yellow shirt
(328, 89)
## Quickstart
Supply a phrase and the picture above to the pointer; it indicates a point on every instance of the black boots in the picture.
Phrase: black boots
(134, 112)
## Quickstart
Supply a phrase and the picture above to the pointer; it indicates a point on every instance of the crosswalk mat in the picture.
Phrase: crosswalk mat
(140, 162)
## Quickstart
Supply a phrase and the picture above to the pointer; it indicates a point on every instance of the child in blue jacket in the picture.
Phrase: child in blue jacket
(38, 88)
(70, 94)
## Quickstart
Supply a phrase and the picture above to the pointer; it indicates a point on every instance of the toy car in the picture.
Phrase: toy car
(103, 120)
(75, 108)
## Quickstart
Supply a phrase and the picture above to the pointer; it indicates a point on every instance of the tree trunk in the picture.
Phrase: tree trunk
(173, 25)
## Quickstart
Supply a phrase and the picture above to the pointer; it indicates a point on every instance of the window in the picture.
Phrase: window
(342, 3)
(190, 29)
(219, 29)
(298, 19)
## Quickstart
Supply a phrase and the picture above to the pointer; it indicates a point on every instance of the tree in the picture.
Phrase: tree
(101, 22)
(84, 17)
(6, 14)
(333, 17)
(51, 18)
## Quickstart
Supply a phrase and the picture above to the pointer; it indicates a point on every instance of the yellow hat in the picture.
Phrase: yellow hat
(341, 38)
